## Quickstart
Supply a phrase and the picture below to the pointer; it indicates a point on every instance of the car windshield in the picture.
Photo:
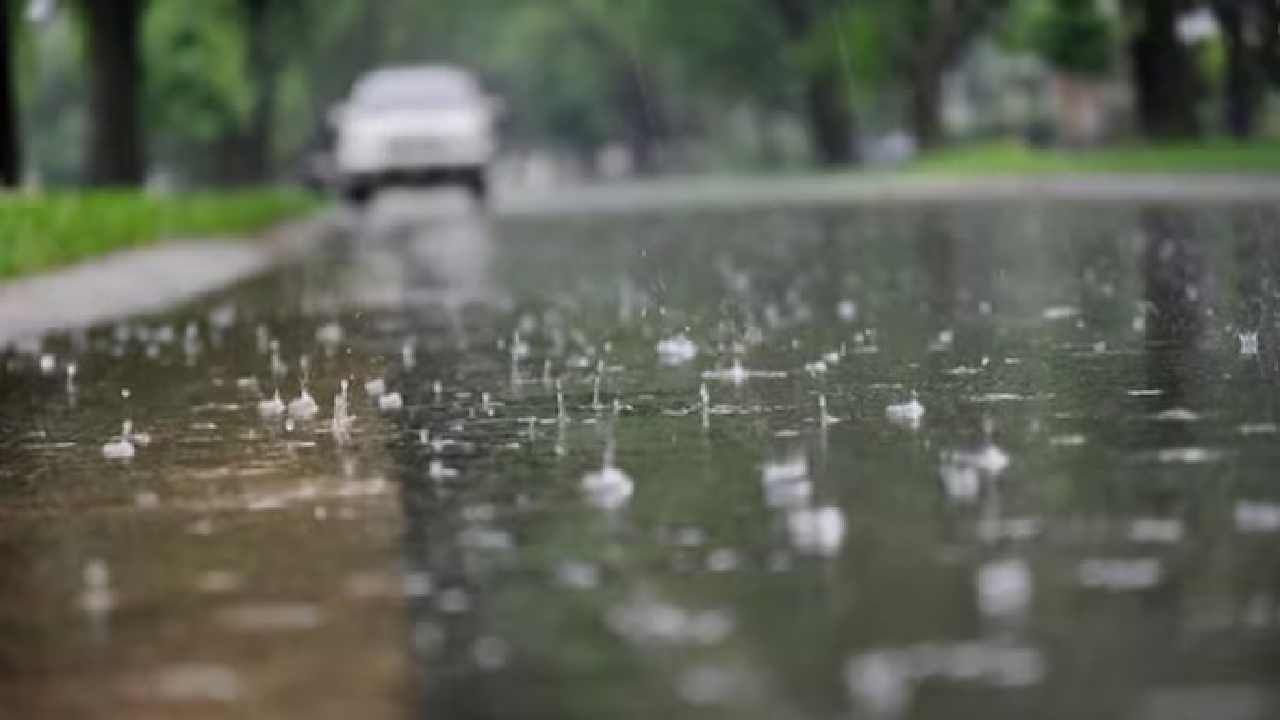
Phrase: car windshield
(414, 89)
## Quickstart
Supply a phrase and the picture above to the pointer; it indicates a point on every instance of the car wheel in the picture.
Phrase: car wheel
(359, 195)
(478, 185)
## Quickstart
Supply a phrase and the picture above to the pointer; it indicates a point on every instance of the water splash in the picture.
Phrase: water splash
(908, 414)
(390, 402)
(342, 419)
(375, 387)
(960, 479)
(676, 350)
(883, 682)
(786, 482)
(436, 470)
(272, 407)
(277, 366)
(608, 488)
(1248, 343)
(303, 407)
(1120, 574)
(817, 531)
(562, 416)
(329, 334)
(825, 418)
(121, 448)
(645, 620)
(737, 374)
(97, 598)
(704, 404)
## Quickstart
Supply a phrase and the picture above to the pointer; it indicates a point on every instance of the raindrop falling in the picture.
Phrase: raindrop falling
(278, 368)
(120, 448)
(825, 418)
(341, 427)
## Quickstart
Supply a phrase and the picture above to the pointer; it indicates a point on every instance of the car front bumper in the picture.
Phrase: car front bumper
(412, 156)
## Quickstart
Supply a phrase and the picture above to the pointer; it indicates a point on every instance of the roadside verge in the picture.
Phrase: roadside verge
(141, 280)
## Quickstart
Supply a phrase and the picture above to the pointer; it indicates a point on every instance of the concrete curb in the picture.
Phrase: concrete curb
(848, 189)
(142, 280)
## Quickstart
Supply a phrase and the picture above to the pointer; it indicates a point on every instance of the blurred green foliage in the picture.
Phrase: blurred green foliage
(707, 80)
(1073, 35)
(197, 85)
(41, 231)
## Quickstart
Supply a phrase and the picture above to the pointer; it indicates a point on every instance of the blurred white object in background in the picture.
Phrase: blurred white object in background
(414, 125)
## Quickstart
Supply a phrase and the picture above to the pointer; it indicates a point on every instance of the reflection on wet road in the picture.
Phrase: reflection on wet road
(917, 461)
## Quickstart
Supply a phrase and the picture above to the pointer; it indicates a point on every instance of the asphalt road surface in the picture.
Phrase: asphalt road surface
(939, 457)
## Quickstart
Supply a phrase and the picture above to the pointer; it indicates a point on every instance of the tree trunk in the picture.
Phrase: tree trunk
(643, 116)
(830, 118)
(1163, 75)
(1243, 81)
(10, 155)
(115, 77)
(257, 140)
(926, 107)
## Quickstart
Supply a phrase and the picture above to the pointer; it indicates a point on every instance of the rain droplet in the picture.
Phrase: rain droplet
(676, 350)
(1248, 343)
(120, 448)
(907, 414)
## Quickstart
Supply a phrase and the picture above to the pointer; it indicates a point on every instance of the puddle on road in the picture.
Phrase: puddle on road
(921, 461)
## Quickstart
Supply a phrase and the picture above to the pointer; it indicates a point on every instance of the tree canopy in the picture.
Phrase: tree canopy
(236, 91)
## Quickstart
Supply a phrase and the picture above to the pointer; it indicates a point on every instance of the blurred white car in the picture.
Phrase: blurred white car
(414, 125)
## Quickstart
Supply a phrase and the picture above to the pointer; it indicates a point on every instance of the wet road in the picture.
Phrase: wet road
(924, 460)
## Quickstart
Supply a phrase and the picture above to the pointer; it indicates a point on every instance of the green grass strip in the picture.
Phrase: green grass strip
(41, 231)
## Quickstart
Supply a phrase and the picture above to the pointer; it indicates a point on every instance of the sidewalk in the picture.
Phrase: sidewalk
(147, 279)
